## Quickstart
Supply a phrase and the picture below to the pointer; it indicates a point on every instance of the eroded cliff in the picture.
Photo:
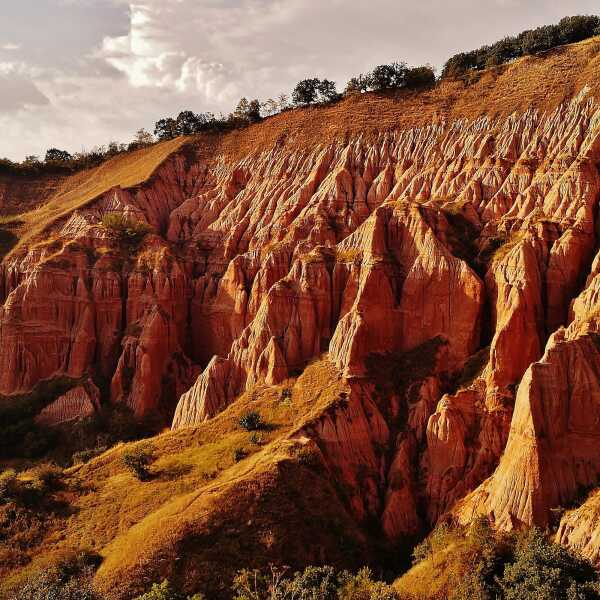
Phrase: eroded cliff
(437, 250)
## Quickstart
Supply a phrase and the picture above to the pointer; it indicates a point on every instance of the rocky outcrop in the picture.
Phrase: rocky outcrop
(79, 402)
(444, 265)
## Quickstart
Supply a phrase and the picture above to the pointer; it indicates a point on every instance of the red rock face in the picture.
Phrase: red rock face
(455, 253)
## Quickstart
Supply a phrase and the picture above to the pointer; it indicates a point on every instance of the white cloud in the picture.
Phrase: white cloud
(139, 61)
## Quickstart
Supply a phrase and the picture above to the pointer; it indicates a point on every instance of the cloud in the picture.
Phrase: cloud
(18, 91)
(92, 71)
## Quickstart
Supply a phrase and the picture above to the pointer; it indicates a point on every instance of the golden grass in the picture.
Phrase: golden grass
(124, 171)
(435, 576)
(126, 520)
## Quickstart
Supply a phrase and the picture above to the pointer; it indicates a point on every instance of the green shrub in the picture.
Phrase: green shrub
(128, 231)
(138, 459)
(362, 587)
(545, 571)
(251, 421)
(164, 591)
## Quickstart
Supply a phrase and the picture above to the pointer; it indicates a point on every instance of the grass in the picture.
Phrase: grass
(124, 171)
(195, 482)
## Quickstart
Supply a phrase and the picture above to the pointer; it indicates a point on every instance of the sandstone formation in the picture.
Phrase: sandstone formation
(443, 264)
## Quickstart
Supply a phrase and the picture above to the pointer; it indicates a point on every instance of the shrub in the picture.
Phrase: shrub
(164, 591)
(138, 459)
(45, 478)
(251, 421)
(9, 485)
(362, 587)
(545, 571)
(239, 454)
(418, 77)
(128, 231)
(256, 438)
(357, 85)
(69, 579)
(84, 456)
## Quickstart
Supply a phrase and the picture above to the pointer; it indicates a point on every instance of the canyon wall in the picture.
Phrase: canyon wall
(446, 267)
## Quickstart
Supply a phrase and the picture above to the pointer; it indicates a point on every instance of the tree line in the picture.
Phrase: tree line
(567, 31)
(315, 91)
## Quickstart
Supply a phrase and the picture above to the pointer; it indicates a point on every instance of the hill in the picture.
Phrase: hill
(403, 285)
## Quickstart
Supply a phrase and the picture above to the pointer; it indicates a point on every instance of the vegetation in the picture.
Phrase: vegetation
(128, 231)
(69, 579)
(567, 31)
(314, 583)
(481, 564)
(59, 161)
(251, 421)
(164, 591)
(138, 458)
(396, 75)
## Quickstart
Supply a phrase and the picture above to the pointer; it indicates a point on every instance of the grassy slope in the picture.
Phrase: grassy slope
(267, 506)
(124, 171)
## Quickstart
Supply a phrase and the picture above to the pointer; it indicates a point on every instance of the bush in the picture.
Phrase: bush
(69, 579)
(239, 454)
(45, 477)
(362, 587)
(545, 571)
(127, 231)
(9, 486)
(138, 459)
(164, 591)
(418, 77)
(251, 421)
(256, 438)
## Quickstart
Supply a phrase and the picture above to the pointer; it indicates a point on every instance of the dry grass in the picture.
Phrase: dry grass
(124, 171)
(540, 82)
(129, 521)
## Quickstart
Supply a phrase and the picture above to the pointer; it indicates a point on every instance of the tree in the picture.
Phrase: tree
(503, 51)
(540, 39)
(187, 123)
(577, 28)
(327, 91)
(143, 138)
(269, 107)
(283, 102)
(56, 155)
(546, 571)
(418, 77)
(357, 85)
(387, 77)
(247, 110)
(306, 92)
(166, 129)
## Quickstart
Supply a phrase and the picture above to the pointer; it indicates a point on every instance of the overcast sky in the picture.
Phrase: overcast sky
(80, 73)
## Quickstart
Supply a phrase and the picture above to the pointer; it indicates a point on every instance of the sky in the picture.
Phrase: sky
(75, 74)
